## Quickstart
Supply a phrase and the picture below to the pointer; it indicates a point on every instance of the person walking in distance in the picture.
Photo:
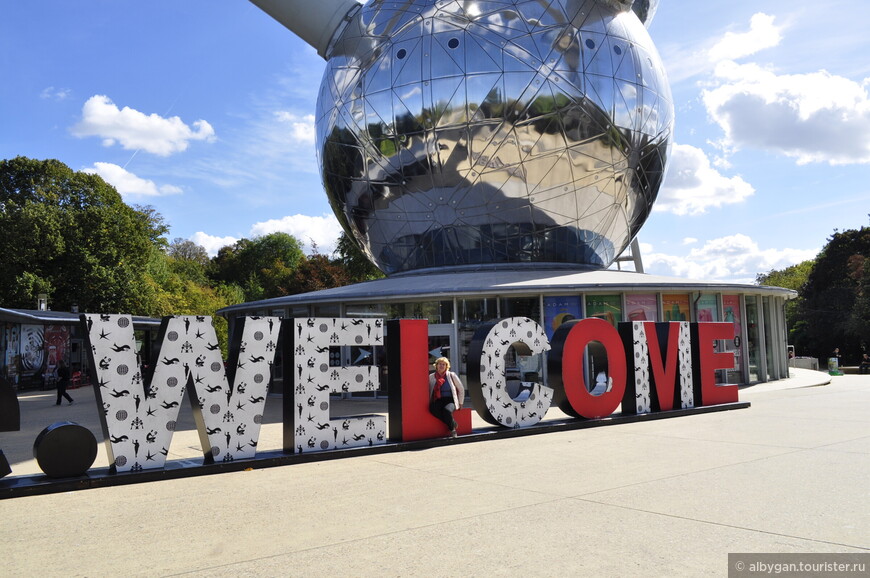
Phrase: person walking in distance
(63, 382)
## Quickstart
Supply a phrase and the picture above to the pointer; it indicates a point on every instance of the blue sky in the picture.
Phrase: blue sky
(204, 109)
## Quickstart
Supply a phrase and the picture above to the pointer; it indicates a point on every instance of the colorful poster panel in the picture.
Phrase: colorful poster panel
(707, 309)
(32, 349)
(731, 314)
(56, 340)
(641, 307)
(675, 308)
(607, 307)
(12, 347)
(558, 310)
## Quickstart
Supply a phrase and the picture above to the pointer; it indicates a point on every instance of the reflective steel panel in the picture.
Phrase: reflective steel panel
(460, 132)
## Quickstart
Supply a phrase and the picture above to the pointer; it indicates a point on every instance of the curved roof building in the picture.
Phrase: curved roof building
(456, 302)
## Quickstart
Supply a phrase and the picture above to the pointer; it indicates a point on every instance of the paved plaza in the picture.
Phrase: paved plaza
(665, 497)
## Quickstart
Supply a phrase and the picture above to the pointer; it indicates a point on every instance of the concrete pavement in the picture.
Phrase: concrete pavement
(667, 497)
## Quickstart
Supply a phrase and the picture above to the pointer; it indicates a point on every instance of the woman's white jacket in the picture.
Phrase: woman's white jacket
(455, 387)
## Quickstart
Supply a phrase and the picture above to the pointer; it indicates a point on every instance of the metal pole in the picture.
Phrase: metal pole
(315, 22)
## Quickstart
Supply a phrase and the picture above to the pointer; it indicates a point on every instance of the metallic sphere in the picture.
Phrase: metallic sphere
(508, 132)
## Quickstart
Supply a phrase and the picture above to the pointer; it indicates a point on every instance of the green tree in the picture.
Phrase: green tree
(833, 300)
(792, 277)
(859, 322)
(69, 234)
(263, 267)
(188, 250)
(226, 267)
(176, 280)
(188, 260)
(154, 223)
(317, 272)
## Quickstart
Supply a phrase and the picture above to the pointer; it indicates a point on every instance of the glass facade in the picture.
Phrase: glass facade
(433, 311)
(521, 307)
(759, 345)
(472, 314)
(731, 308)
(754, 341)
(770, 363)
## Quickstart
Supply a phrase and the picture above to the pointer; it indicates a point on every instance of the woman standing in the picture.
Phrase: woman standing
(446, 393)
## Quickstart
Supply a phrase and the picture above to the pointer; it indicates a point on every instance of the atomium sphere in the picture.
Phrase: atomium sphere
(461, 133)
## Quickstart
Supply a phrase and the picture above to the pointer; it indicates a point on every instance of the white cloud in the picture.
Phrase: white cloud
(134, 130)
(695, 56)
(210, 243)
(52, 93)
(762, 34)
(813, 117)
(301, 126)
(323, 230)
(810, 116)
(689, 240)
(735, 258)
(692, 185)
(128, 184)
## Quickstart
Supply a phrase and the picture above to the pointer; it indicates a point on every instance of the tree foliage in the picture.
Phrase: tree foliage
(263, 267)
(189, 260)
(793, 277)
(834, 296)
(317, 272)
(187, 250)
(859, 322)
(833, 304)
(69, 234)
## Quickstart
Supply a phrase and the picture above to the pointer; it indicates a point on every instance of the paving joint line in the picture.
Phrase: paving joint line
(723, 525)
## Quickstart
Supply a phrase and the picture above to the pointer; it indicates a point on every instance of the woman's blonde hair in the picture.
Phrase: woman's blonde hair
(444, 359)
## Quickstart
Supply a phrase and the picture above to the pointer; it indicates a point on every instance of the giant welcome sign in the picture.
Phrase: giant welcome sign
(653, 367)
